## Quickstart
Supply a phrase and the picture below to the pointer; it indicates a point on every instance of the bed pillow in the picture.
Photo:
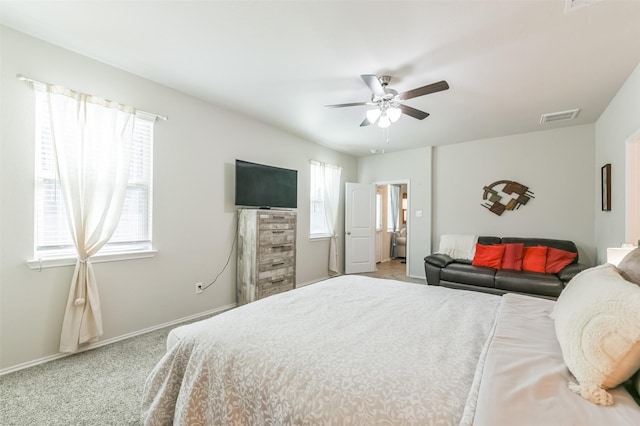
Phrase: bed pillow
(629, 267)
(597, 322)
(557, 260)
(534, 259)
(513, 254)
(489, 256)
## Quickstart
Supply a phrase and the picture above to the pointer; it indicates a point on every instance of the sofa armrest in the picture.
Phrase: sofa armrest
(438, 259)
(433, 264)
(571, 271)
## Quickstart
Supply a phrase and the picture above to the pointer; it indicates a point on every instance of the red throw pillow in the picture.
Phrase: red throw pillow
(489, 256)
(513, 254)
(534, 259)
(557, 259)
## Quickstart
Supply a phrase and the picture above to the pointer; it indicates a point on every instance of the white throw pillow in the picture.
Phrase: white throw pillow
(597, 321)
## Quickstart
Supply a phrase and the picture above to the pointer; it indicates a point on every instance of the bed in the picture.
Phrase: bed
(359, 350)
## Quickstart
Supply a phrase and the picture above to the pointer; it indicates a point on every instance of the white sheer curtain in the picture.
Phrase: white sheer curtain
(329, 175)
(92, 145)
(394, 209)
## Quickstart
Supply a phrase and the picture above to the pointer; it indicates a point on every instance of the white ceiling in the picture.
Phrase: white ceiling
(279, 62)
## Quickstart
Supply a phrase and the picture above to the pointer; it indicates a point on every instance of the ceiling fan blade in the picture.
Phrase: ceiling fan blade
(366, 122)
(425, 90)
(347, 105)
(415, 113)
(374, 84)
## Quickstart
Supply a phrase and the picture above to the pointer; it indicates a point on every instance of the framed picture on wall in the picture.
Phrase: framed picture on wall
(605, 177)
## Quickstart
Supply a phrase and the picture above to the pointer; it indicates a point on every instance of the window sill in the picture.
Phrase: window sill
(39, 264)
(319, 237)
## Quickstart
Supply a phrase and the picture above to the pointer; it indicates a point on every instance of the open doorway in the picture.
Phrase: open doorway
(392, 222)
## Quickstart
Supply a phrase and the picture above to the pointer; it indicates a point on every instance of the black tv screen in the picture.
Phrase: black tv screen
(258, 185)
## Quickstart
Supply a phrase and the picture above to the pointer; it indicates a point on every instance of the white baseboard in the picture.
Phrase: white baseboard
(115, 339)
(298, 285)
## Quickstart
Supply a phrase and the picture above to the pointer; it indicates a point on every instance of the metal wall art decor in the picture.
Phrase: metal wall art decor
(505, 195)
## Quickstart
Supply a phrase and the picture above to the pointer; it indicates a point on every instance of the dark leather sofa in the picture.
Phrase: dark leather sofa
(459, 273)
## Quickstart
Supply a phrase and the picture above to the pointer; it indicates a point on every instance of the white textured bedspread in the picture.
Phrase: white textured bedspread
(349, 350)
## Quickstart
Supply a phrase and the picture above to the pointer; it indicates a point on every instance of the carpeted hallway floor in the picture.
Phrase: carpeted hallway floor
(394, 270)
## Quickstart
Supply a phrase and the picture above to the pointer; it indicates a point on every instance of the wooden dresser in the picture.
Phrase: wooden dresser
(266, 253)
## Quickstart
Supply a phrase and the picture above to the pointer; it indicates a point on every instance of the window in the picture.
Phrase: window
(323, 193)
(52, 235)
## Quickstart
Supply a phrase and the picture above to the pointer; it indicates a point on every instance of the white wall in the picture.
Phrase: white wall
(615, 126)
(414, 166)
(557, 166)
(194, 213)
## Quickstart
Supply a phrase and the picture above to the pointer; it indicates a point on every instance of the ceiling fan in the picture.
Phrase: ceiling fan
(388, 103)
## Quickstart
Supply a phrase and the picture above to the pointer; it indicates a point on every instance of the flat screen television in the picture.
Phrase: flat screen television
(259, 185)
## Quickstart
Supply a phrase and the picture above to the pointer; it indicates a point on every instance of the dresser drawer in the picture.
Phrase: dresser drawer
(277, 273)
(274, 251)
(275, 263)
(277, 221)
(267, 287)
(276, 237)
(282, 226)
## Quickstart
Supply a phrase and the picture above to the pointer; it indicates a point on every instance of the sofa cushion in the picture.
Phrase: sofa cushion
(513, 254)
(558, 259)
(528, 282)
(468, 274)
(546, 242)
(487, 241)
(597, 321)
(489, 256)
(534, 259)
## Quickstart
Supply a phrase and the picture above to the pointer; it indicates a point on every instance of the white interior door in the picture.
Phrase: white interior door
(360, 228)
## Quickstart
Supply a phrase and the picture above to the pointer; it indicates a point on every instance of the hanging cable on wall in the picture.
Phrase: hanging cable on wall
(233, 244)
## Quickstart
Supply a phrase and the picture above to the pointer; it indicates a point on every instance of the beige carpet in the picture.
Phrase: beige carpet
(102, 386)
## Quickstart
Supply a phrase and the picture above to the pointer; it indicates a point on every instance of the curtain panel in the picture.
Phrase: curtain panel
(92, 140)
(329, 175)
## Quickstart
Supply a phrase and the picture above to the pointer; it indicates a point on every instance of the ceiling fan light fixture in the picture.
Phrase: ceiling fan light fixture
(387, 105)
(384, 121)
(373, 115)
(394, 114)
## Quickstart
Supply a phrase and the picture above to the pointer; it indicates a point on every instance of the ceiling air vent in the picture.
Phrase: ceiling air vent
(559, 116)
(570, 5)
